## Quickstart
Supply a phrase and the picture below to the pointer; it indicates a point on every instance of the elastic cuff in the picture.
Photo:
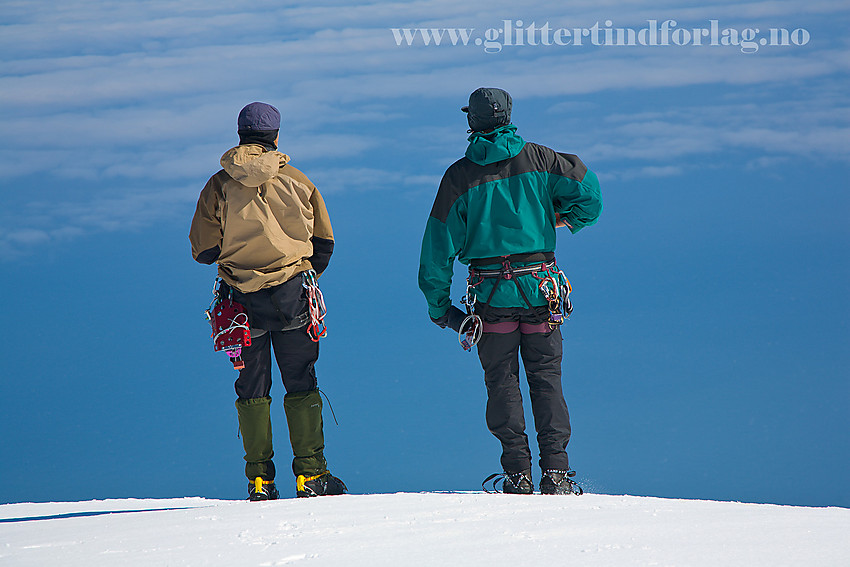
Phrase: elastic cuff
(253, 401)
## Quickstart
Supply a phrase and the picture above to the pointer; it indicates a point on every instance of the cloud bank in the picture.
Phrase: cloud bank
(114, 111)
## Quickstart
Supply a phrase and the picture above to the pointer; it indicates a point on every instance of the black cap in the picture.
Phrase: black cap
(488, 108)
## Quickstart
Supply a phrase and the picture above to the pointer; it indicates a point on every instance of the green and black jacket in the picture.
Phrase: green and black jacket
(501, 199)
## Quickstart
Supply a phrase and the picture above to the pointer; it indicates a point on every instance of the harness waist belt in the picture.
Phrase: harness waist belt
(514, 271)
(533, 257)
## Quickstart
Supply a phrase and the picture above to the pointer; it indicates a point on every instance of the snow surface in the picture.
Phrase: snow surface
(433, 529)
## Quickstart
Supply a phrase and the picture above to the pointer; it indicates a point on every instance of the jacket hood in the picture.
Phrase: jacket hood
(251, 165)
(501, 143)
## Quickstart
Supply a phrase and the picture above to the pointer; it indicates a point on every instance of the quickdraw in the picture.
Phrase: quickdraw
(556, 288)
(230, 329)
(316, 304)
(472, 327)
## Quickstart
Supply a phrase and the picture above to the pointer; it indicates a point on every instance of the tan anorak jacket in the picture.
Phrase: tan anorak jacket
(258, 218)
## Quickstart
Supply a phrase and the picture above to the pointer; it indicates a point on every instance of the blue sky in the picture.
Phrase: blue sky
(707, 354)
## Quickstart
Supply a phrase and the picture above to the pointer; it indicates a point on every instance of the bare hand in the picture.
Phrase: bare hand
(561, 222)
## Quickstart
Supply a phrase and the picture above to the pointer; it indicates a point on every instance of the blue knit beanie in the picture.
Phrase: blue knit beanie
(258, 116)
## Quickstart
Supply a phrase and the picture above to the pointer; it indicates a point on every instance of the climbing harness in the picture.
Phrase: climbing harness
(229, 321)
(316, 304)
(553, 284)
(231, 331)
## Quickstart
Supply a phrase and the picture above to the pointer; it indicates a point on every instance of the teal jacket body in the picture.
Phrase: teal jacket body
(501, 199)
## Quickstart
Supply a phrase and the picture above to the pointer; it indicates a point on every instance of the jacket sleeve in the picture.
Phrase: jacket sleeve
(205, 233)
(575, 191)
(323, 238)
(444, 239)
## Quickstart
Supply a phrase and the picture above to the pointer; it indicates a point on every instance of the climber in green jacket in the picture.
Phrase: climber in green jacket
(496, 210)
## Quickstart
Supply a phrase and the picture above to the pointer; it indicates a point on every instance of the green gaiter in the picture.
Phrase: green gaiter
(304, 417)
(256, 427)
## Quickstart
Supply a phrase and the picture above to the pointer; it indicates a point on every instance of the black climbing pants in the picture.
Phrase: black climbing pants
(296, 357)
(541, 355)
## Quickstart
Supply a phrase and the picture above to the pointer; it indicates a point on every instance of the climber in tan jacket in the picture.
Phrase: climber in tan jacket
(266, 226)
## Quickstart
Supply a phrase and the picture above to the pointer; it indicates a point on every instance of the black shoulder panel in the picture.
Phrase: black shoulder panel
(465, 174)
(452, 186)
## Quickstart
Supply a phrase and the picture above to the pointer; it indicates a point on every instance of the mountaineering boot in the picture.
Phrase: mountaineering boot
(260, 489)
(323, 484)
(512, 483)
(559, 482)
(518, 483)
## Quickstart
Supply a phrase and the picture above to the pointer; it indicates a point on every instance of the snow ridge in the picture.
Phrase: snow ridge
(428, 529)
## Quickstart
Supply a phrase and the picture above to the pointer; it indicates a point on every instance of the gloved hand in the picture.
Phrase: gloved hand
(453, 319)
(224, 290)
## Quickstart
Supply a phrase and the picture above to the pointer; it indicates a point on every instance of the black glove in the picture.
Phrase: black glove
(453, 319)
(224, 291)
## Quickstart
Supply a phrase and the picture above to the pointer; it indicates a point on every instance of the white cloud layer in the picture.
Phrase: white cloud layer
(115, 93)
